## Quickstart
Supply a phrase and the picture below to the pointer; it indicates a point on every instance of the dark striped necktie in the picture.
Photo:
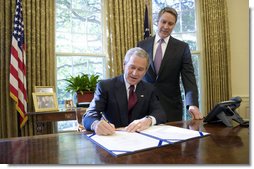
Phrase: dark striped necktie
(132, 100)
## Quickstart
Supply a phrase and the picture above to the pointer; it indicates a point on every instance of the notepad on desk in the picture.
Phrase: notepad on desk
(122, 142)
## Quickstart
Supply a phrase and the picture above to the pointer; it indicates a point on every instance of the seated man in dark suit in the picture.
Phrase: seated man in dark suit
(109, 108)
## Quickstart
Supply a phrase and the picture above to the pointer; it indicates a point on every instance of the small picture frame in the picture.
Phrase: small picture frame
(68, 104)
(45, 102)
(44, 89)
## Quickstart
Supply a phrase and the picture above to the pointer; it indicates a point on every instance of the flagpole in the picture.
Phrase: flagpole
(146, 22)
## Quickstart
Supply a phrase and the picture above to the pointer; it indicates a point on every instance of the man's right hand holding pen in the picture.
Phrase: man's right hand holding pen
(104, 127)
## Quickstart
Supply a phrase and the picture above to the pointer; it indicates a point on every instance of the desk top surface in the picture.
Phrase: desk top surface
(224, 145)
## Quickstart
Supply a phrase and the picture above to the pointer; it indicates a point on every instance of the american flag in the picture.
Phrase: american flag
(146, 25)
(18, 66)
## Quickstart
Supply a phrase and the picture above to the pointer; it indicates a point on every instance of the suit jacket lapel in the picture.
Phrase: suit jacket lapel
(151, 68)
(169, 52)
(120, 90)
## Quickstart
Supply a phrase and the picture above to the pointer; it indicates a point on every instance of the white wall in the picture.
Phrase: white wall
(238, 12)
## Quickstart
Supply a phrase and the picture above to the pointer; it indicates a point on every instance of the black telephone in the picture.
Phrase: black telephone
(226, 112)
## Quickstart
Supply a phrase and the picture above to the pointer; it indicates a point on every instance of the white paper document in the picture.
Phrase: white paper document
(123, 142)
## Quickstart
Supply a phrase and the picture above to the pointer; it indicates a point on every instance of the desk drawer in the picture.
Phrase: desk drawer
(56, 117)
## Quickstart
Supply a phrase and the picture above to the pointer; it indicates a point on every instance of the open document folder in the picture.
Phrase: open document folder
(123, 142)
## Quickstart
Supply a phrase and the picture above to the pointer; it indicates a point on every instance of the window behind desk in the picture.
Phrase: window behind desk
(79, 45)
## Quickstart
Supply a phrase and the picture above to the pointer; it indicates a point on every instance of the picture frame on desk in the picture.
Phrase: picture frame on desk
(44, 89)
(45, 102)
(68, 104)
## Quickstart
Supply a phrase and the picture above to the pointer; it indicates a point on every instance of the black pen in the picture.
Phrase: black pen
(105, 119)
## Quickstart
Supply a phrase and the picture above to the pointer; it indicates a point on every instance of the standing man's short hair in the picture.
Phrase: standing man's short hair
(169, 10)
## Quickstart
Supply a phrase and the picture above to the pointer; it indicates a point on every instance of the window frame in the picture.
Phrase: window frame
(102, 55)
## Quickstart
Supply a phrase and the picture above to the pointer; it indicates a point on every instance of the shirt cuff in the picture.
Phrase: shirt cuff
(153, 120)
(94, 124)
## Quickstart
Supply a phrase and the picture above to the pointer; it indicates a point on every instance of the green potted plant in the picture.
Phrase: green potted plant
(83, 85)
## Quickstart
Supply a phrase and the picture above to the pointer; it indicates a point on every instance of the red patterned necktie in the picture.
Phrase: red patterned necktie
(132, 100)
(158, 56)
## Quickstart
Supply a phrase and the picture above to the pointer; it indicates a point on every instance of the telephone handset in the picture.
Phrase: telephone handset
(226, 112)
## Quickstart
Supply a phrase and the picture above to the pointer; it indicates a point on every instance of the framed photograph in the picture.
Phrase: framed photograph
(44, 89)
(68, 104)
(45, 102)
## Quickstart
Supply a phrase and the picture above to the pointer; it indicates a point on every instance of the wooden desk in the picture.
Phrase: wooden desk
(224, 146)
(53, 116)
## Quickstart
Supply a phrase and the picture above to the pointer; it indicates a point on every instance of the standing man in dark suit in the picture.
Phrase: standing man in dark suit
(109, 108)
(165, 73)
